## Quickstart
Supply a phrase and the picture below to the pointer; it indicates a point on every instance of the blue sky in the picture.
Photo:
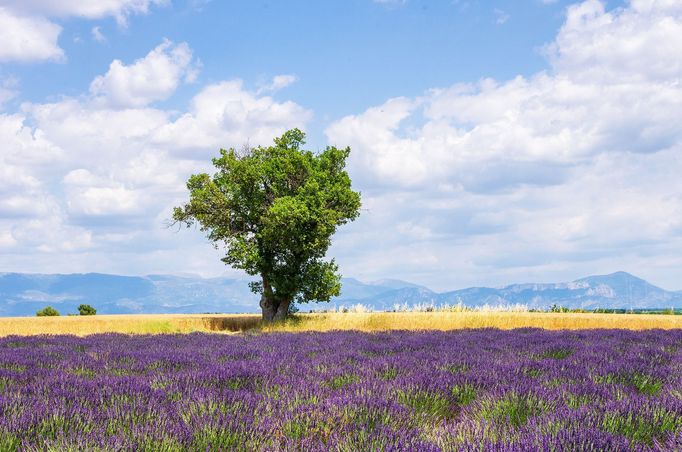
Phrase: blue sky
(347, 55)
(493, 141)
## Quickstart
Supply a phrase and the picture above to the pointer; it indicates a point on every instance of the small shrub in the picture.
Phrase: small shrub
(47, 311)
(86, 309)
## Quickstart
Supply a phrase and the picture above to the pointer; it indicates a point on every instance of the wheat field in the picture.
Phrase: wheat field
(380, 321)
(375, 321)
(129, 324)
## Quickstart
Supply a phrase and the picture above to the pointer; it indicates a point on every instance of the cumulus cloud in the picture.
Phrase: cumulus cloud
(533, 175)
(642, 42)
(570, 171)
(560, 117)
(152, 78)
(119, 9)
(27, 38)
(92, 196)
(227, 113)
(28, 33)
(94, 177)
(31, 219)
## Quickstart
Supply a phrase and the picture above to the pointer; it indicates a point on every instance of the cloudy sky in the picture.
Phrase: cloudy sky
(494, 141)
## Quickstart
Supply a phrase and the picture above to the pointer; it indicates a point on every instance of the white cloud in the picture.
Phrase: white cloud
(569, 171)
(95, 196)
(86, 184)
(8, 89)
(27, 38)
(278, 82)
(27, 32)
(119, 9)
(31, 219)
(152, 78)
(226, 113)
(97, 34)
(559, 118)
(640, 42)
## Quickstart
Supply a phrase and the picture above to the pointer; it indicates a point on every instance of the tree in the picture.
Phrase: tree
(275, 210)
(47, 311)
(86, 309)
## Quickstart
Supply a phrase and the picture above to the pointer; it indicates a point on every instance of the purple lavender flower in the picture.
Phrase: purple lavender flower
(462, 390)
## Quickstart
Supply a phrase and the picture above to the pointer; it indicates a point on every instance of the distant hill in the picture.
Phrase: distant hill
(23, 294)
(618, 290)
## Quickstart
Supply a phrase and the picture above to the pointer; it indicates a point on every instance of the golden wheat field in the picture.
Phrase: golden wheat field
(130, 324)
(376, 321)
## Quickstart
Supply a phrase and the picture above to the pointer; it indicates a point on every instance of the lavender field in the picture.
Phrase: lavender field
(464, 390)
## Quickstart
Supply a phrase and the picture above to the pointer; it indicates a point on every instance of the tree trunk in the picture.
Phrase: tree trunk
(267, 302)
(274, 308)
(282, 310)
(268, 308)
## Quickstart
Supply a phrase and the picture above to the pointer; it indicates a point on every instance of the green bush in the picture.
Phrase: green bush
(86, 309)
(48, 311)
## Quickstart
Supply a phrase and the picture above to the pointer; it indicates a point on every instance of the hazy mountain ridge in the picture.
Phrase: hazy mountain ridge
(23, 294)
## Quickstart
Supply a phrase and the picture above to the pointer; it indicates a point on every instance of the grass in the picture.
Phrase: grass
(514, 409)
(644, 384)
(375, 321)
(642, 429)
(559, 353)
(342, 381)
(464, 394)
(427, 403)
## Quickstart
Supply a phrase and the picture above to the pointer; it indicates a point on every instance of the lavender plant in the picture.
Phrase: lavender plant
(463, 390)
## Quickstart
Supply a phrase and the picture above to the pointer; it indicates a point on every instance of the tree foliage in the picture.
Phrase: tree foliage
(47, 311)
(275, 209)
(86, 309)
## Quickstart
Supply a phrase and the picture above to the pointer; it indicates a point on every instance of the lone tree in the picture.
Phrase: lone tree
(275, 209)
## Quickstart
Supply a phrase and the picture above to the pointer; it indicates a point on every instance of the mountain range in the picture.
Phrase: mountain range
(22, 294)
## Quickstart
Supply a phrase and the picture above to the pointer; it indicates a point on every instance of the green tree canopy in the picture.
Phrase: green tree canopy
(86, 309)
(47, 311)
(275, 209)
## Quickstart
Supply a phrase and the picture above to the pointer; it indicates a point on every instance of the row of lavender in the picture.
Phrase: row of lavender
(463, 390)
